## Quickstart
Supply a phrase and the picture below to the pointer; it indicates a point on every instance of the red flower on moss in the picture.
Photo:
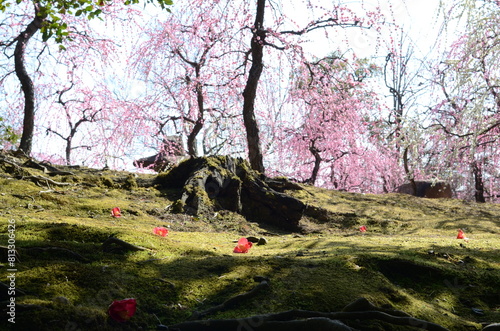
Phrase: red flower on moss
(362, 228)
(122, 310)
(461, 234)
(243, 246)
(161, 231)
(116, 212)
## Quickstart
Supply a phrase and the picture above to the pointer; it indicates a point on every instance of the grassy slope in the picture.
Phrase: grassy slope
(409, 258)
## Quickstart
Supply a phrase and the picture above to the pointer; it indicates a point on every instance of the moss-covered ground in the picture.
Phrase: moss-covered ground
(408, 259)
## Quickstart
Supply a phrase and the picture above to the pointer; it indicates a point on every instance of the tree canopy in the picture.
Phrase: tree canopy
(241, 78)
(54, 13)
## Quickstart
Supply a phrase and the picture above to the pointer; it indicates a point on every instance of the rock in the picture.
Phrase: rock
(253, 240)
(258, 241)
(171, 153)
(424, 189)
(322, 215)
(262, 241)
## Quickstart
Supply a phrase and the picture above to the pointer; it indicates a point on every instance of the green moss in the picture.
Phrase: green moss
(130, 183)
(178, 207)
(107, 182)
(409, 259)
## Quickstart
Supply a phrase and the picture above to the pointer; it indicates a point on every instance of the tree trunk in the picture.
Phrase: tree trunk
(426, 189)
(224, 183)
(478, 181)
(191, 139)
(317, 163)
(68, 150)
(249, 94)
(26, 82)
(200, 102)
(409, 176)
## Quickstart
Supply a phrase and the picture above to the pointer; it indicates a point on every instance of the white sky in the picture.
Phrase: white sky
(418, 17)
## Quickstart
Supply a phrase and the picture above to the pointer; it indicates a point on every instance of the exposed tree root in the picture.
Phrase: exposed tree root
(4, 290)
(306, 320)
(18, 170)
(215, 183)
(364, 305)
(46, 168)
(256, 323)
(39, 180)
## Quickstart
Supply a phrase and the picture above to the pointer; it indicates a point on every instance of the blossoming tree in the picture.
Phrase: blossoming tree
(467, 118)
(52, 19)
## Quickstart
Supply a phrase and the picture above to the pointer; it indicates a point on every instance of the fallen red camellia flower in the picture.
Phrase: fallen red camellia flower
(122, 310)
(362, 228)
(243, 246)
(116, 212)
(161, 231)
(461, 234)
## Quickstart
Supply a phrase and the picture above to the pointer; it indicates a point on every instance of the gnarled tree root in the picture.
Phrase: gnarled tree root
(18, 170)
(309, 320)
(256, 323)
(216, 183)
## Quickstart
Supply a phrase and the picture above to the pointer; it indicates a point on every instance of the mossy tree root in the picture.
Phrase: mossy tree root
(15, 168)
(256, 323)
(221, 182)
(311, 320)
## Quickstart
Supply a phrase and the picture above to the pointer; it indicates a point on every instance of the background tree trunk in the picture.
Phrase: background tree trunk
(26, 82)
(317, 162)
(409, 175)
(478, 181)
(251, 126)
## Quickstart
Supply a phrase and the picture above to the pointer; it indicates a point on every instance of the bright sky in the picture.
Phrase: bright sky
(418, 18)
(422, 21)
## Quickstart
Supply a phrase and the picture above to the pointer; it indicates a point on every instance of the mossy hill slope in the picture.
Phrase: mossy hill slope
(408, 259)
